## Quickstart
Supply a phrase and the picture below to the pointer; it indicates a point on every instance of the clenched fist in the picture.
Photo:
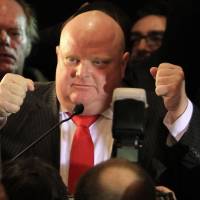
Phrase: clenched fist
(170, 84)
(13, 89)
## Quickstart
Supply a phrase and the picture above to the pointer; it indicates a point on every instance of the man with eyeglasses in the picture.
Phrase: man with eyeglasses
(148, 30)
(144, 44)
(146, 37)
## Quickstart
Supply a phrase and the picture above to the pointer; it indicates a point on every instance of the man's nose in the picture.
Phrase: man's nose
(4, 37)
(142, 45)
(83, 69)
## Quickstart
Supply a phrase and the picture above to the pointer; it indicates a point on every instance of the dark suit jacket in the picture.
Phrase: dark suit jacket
(38, 114)
(170, 166)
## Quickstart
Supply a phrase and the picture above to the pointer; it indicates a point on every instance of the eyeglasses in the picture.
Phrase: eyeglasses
(153, 38)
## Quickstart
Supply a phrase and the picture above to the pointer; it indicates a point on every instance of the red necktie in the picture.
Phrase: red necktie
(82, 150)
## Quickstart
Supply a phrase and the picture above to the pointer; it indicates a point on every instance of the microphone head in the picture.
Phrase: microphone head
(78, 109)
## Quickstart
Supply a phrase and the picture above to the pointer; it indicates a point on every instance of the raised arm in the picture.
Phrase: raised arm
(13, 89)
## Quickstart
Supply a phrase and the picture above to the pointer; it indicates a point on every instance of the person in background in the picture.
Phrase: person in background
(18, 31)
(180, 38)
(92, 57)
(116, 179)
(32, 179)
(147, 31)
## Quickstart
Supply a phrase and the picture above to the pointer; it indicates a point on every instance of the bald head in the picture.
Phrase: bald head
(116, 179)
(93, 28)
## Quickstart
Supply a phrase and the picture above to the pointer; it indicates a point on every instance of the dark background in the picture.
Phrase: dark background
(51, 12)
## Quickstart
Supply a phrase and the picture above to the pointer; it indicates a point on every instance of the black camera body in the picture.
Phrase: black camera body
(129, 109)
(128, 120)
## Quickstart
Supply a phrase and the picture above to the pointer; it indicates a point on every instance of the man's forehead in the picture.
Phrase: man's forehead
(91, 17)
(11, 12)
(94, 21)
(110, 11)
(10, 6)
(93, 28)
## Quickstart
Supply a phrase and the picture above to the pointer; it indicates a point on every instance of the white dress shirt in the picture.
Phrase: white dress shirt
(101, 133)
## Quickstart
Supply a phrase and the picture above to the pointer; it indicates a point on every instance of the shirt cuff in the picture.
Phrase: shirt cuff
(3, 121)
(180, 126)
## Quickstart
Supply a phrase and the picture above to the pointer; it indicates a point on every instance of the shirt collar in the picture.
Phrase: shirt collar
(108, 113)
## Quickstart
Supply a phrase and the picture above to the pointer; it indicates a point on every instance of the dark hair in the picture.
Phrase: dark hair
(31, 28)
(159, 7)
(32, 179)
(113, 11)
(90, 186)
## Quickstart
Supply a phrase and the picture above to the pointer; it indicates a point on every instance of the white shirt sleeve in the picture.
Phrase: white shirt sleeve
(180, 126)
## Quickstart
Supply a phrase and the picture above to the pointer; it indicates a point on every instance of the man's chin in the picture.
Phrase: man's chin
(77, 100)
(6, 68)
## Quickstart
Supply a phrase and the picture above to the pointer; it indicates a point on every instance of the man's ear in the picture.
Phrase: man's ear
(125, 59)
(28, 49)
(58, 51)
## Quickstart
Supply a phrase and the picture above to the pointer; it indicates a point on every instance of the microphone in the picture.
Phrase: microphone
(78, 109)
(129, 110)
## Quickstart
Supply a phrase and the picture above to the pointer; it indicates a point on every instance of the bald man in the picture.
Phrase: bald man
(116, 179)
(92, 58)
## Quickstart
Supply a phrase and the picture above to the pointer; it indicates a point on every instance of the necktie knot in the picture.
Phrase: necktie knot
(84, 121)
